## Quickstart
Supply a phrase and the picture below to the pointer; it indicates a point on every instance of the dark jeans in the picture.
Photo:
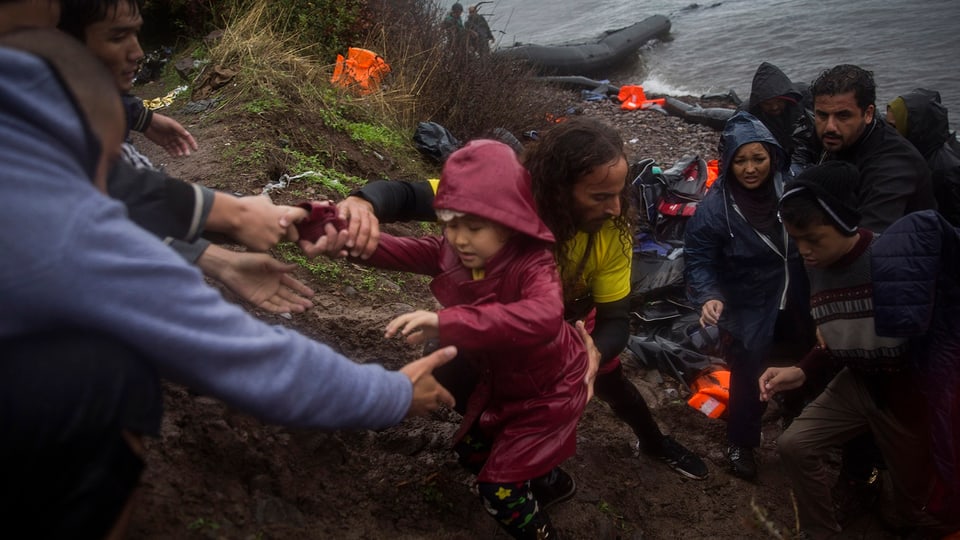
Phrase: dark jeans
(744, 410)
(628, 404)
(65, 399)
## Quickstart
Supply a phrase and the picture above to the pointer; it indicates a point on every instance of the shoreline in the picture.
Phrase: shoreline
(652, 134)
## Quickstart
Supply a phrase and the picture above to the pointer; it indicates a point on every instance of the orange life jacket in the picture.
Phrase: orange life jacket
(362, 69)
(632, 98)
(711, 393)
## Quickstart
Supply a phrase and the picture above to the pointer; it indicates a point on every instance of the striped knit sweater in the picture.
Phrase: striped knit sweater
(841, 302)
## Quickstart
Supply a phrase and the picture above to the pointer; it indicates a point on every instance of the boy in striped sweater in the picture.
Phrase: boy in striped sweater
(880, 387)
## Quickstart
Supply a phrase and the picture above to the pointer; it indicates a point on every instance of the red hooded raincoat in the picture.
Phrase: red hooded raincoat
(509, 323)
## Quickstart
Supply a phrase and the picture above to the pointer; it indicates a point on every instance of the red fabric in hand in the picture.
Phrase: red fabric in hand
(312, 228)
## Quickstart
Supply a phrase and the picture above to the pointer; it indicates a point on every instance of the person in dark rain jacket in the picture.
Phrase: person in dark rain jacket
(886, 309)
(775, 101)
(919, 116)
(736, 258)
(495, 276)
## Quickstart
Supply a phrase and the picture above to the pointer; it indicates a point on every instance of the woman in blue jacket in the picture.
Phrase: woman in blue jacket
(735, 251)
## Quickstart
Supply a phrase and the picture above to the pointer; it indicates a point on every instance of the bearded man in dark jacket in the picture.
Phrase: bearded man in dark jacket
(895, 177)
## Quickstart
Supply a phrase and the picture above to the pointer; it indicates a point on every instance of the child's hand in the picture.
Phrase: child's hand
(417, 326)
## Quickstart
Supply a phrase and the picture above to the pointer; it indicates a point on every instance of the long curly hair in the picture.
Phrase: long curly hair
(563, 155)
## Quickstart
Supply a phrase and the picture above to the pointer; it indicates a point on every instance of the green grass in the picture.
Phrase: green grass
(321, 268)
(328, 177)
(619, 522)
(375, 135)
(246, 154)
(265, 104)
(203, 523)
(434, 497)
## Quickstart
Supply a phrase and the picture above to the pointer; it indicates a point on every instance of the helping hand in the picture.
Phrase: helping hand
(266, 283)
(170, 135)
(262, 224)
(593, 354)
(359, 239)
(428, 394)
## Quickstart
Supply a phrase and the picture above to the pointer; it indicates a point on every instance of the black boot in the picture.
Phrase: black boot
(742, 462)
(554, 487)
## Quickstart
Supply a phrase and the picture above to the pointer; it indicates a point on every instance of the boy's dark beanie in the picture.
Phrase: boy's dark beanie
(835, 184)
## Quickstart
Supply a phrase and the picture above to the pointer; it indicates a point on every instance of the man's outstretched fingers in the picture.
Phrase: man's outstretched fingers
(428, 394)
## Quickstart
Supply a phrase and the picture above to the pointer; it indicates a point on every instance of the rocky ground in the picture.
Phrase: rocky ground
(217, 473)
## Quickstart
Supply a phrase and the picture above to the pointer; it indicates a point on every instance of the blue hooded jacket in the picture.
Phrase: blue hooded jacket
(725, 257)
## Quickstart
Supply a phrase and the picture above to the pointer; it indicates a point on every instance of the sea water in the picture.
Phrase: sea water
(716, 46)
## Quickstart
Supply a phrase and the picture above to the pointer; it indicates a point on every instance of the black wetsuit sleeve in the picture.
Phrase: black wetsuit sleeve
(399, 200)
(165, 206)
(612, 328)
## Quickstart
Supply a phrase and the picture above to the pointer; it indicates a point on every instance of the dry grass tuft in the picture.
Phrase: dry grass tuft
(432, 78)
(438, 79)
(269, 62)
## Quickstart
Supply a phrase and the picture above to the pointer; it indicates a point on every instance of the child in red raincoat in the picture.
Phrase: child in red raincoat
(495, 274)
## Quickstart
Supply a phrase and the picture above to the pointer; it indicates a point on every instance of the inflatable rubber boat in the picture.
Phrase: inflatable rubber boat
(611, 49)
(714, 117)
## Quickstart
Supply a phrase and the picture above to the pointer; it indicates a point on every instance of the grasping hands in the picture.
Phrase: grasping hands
(359, 239)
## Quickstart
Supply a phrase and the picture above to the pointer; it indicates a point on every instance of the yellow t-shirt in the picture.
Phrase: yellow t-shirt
(606, 272)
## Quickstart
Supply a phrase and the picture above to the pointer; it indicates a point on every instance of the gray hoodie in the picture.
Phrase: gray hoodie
(72, 259)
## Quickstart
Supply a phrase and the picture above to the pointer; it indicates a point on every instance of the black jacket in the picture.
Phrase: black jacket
(894, 178)
(769, 82)
(929, 130)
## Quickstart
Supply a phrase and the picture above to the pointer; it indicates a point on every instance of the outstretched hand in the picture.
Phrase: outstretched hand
(266, 283)
(428, 394)
(258, 223)
(170, 135)
(780, 379)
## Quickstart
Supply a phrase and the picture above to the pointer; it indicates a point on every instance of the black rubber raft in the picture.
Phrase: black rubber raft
(610, 50)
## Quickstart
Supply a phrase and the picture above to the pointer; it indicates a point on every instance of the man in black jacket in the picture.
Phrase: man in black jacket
(895, 177)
